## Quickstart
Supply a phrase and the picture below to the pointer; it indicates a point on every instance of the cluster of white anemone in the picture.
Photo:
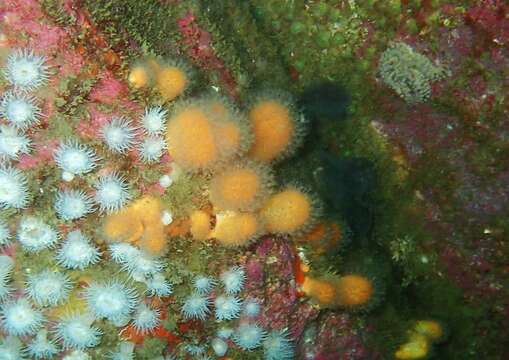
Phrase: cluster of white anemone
(246, 333)
(19, 111)
(120, 135)
(112, 301)
(152, 146)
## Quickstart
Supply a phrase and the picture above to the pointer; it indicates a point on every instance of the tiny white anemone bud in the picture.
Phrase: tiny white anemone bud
(165, 181)
(220, 346)
(166, 218)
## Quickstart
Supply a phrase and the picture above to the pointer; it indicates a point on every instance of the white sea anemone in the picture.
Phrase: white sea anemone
(75, 158)
(152, 148)
(12, 143)
(73, 204)
(154, 120)
(77, 252)
(119, 135)
(25, 70)
(112, 192)
(35, 235)
(13, 188)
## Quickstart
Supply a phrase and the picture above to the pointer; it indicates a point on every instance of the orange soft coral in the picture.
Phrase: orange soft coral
(275, 127)
(200, 225)
(242, 186)
(191, 139)
(140, 223)
(321, 290)
(354, 290)
(236, 229)
(290, 211)
(171, 81)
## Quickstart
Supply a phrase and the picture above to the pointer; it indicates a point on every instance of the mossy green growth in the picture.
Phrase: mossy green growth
(151, 348)
(184, 195)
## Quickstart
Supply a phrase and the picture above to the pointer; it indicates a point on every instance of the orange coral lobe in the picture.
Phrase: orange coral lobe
(321, 290)
(287, 211)
(138, 77)
(273, 130)
(140, 223)
(200, 225)
(229, 137)
(234, 229)
(171, 81)
(354, 290)
(191, 140)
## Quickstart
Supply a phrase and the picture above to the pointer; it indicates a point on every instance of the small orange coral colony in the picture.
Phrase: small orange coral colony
(171, 81)
(354, 290)
(350, 291)
(140, 223)
(236, 229)
(322, 290)
(274, 129)
(429, 328)
(241, 187)
(288, 211)
(139, 76)
(200, 225)
(191, 140)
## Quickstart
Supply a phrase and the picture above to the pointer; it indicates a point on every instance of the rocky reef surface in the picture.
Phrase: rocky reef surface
(406, 147)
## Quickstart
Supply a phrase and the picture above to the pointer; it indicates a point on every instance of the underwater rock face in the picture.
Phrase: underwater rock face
(76, 147)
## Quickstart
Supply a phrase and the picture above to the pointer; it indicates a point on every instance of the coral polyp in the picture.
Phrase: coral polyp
(227, 307)
(111, 300)
(142, 265)
(146, 319)
(172, 79)
(119, 135)
(12, 143)
(241, 187)
(203, 284)
(73, 204)
(277, 346)
(233, 280)
(125, 352)
(236, 228)
(154, 120)
(249, 336)
(124, 253)
(290, 211)
(251, 308)
(41, 347)
(20, 110)
(35, 235)
(152, 148)
(112, 192)
(25, 70)
(219, 346)
(157, 285)
(75, 331)
(77, 252)
(75, 158)
(19, 318)
(196, 306)
(11, 348)
(277, 127)
(13, 188)
(48, 288)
